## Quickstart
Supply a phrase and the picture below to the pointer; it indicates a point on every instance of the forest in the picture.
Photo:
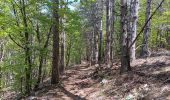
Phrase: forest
(84, 49)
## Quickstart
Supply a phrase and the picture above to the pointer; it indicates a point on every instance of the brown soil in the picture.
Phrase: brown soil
(149, 80)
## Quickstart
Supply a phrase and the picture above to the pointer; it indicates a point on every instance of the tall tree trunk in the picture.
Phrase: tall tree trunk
(95, 33)
(42, 54)
(100, 42)
(55, 60)
(1, 51)
(96, 47)
(1, 59)
(108, 36)
(62, 52)
(68, 52)
(88, 42)
(28, 61)
(125, 57)
(91, 44)
(95, 52)
(62, 66)
(112, 21)
(134, 5)
(144, 48)
(40, 58)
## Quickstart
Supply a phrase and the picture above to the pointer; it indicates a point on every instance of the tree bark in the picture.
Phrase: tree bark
(100, 42)
(125, 58)
(42, 55)
(68, 52)
(55, 59)
(62, 63)
(1, 59)
(88, 47)
(145, 24)
(134, 6)
(144, 48)
(96, 48)
(112, 28)
(27, 50)
(108, 35)
(95, 33)
(62, 67)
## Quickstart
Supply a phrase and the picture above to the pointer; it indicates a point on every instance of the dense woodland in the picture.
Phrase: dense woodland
(42, 40)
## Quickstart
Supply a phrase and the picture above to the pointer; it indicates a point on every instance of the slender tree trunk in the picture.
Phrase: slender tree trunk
(1, 59)
(42, 54)
(1, 51)
(108, 35)
(95, 48)
(144, 48)
(39, 70)
(40, 58)
(55, 60)
(88, 41)
(112, 21)
(157, 36)
(91, 48)
(27, 49)
(133, 26)
(99, 16)
(95, 34)
(100, 42)
(62, 67)
(125, 57)
(68, 52)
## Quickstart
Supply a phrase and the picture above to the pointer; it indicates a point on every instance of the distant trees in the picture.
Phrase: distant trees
(94, 36)
(110, 21)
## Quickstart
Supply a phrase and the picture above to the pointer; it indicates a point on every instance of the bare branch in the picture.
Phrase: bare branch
(48, 37)
(15, 41)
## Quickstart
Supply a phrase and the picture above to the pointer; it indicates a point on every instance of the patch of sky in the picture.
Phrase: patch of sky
(72, 5)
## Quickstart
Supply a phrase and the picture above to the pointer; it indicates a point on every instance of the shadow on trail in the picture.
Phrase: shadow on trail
(71, 95)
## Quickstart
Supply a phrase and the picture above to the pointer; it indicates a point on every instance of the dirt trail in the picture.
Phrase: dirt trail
(76, 85)
(148, 80)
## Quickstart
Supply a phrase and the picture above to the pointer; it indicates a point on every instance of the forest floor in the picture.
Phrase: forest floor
(149, 79)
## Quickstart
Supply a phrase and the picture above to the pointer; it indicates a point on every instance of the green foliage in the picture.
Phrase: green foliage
(76, 23)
